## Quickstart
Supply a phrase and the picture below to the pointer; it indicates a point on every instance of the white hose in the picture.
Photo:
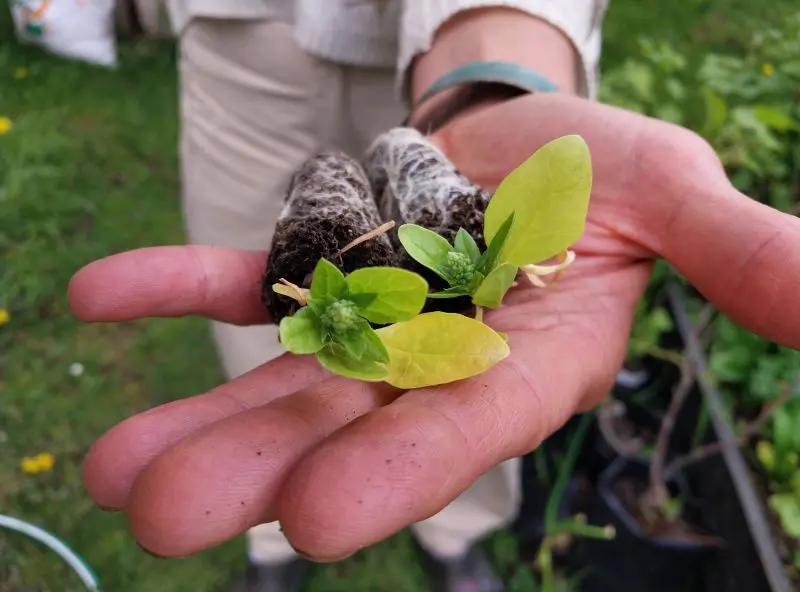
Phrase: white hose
(78, 566)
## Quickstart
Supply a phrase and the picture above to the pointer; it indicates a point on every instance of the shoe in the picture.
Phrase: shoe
(468, 573)
(278, 577)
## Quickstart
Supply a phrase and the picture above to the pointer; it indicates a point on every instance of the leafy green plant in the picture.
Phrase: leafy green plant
(413, 351)
(538, 211)
(546, 197)
(746, 104)
(334, 321)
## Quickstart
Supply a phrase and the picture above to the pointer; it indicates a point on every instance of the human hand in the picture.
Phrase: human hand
(342, 464)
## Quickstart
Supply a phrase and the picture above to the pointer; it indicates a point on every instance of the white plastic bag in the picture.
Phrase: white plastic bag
(76, 29)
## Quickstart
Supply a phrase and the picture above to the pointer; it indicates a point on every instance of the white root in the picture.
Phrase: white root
(536, 272)
(290, 290)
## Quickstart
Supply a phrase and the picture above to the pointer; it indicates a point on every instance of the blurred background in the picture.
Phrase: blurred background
(88, 167)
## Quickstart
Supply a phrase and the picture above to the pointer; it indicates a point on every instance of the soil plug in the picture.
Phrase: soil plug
(538, 211)
(415, 182)
(328, 206)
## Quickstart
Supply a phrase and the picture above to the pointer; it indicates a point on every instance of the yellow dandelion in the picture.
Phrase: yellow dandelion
(4, 317)
(5, 125)
(46, 462)
(41, 463)
(29, 465)
(768, 69)
(19, 73)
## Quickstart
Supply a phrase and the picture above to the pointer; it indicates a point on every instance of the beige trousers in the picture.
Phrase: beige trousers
(254, 106)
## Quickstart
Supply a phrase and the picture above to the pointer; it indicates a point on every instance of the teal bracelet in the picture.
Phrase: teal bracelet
(498, 72)
(513, 77)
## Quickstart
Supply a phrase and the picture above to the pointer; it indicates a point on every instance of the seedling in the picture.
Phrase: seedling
(538, 211)
(414, 351)
(335, 315)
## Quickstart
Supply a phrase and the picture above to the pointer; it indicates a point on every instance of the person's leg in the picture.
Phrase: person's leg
(489, 504)
(449, 537)
(253, 108)
(371, 106)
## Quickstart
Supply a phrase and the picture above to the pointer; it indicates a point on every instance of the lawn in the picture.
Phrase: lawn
(90, 168)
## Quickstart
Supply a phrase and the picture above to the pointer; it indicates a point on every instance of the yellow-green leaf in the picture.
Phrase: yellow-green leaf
(424, 246)
(494, 287)
(439, 347)
(301, 333)
(335, 358)
(399, 294)
(549, 197)
(327, 281)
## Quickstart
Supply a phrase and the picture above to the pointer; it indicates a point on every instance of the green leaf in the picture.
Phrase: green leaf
(448, 293)
(438, 347)
(477, 280)
(489, 259)
(302, 332)
(787, 507)
(400, 294)
(549, 196)
(334, 357)
(492, 290)
(777, 119)
(424, 246)
(362, 300)
(327, 281)
(363, 344)
(464, 243)
(716, 111)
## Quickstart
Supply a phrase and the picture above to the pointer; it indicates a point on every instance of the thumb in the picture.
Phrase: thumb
(740, 254)
(659, 186)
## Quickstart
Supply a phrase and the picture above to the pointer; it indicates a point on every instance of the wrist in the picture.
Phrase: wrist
(495, 34)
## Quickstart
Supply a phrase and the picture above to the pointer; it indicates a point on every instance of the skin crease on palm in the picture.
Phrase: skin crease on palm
(344, 465)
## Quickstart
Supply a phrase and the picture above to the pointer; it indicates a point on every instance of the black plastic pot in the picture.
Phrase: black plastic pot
(604, 452)
(633, 561)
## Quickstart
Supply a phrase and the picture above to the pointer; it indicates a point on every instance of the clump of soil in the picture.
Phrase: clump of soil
(329, 204)
(414, 182)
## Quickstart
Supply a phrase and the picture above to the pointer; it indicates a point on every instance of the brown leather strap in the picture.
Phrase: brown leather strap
(464, 98)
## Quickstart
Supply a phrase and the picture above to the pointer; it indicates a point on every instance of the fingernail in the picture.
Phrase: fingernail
(149, 552)
(309, 557)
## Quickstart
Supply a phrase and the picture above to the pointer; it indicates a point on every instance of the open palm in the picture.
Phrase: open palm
(343, 464)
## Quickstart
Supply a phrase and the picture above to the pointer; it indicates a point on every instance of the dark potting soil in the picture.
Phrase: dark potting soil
(329, 204)
(300, 244)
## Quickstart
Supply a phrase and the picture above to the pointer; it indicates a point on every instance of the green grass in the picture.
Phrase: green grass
(89, 169)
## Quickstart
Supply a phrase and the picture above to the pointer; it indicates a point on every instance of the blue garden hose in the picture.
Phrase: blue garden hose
(55, 544)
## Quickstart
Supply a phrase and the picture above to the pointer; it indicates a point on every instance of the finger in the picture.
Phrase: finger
(116, 459)
(741, 255)
(405, 462)
(225, 477)
(215, 282)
